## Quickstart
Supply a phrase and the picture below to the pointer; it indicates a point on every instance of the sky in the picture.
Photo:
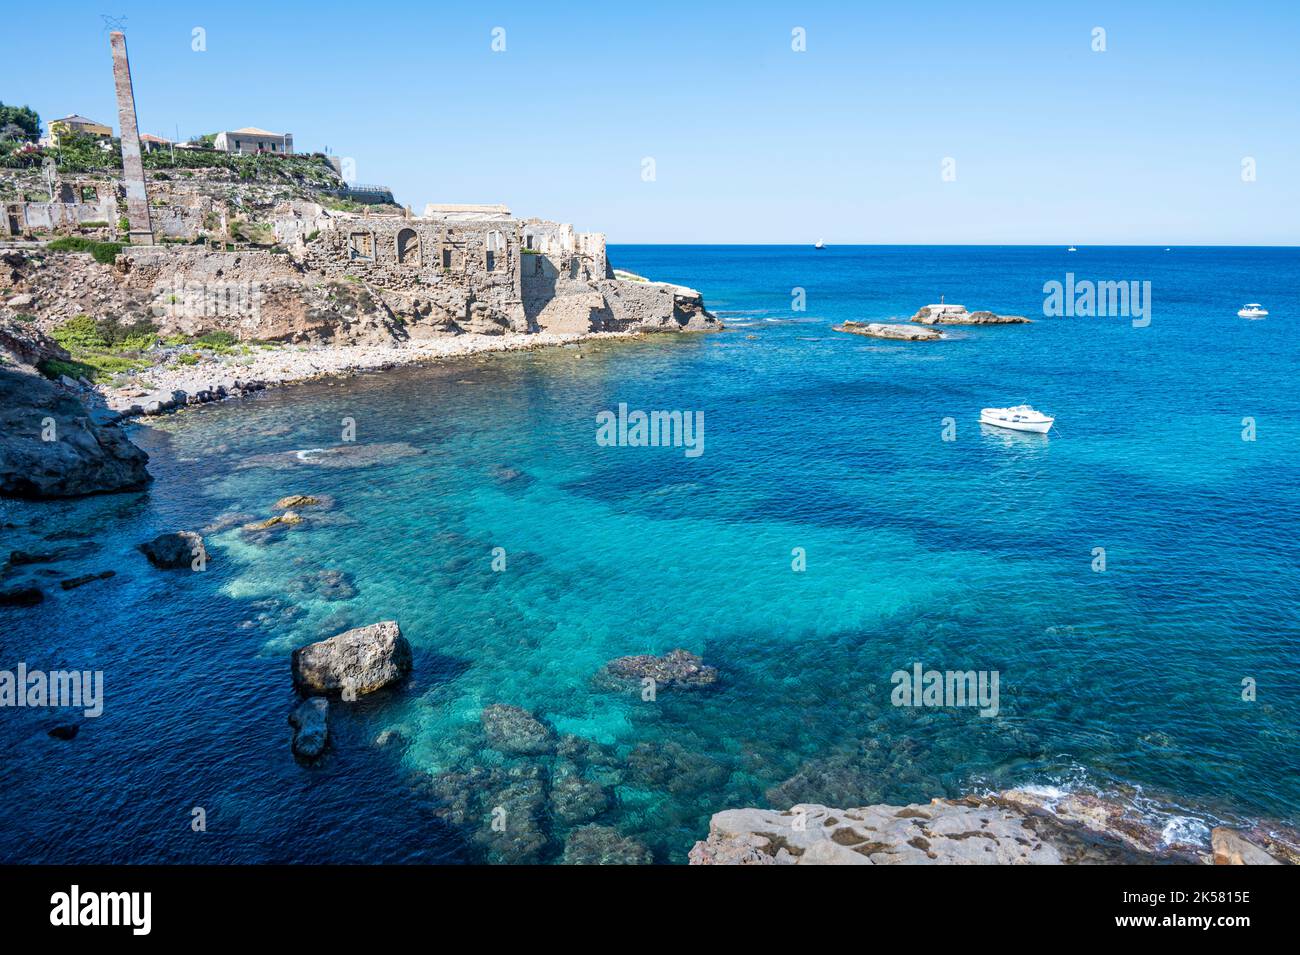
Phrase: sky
(936, 122)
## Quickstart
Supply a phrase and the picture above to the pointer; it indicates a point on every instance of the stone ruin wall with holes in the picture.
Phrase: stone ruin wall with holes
(436, 275)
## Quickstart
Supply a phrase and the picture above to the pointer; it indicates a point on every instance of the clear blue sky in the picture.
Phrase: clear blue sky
(753, 142)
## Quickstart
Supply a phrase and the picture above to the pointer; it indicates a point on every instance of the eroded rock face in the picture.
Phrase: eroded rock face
(50, 447)
(675, 669)
(310, 722)
(174, 550)
(359, 661)
(905, 333)
(515, 731)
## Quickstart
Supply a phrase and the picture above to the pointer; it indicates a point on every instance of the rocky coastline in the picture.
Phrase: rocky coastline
(895, 332)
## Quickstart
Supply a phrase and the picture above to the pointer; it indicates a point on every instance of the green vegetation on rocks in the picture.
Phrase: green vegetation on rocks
(104, 252)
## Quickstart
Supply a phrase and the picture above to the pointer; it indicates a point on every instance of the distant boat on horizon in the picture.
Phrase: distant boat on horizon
(820, 244)
(1071, 249)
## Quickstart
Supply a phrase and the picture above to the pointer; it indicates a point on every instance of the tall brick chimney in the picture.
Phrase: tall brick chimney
(137, 198)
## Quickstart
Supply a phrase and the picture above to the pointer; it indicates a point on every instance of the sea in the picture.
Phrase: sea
(1131, 578)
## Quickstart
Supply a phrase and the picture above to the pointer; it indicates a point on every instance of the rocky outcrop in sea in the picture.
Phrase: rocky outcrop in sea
(896, 332)
(957, 315)
(676, 669)
(357, 661)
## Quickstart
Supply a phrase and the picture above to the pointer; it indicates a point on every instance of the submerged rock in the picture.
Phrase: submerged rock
(294, 501)
(64, 731)
(575, 798)
(74, 582)
(677, 669)
(906, 333)
(173, 550)
(287, 519)
(361, 660)
(22, 596)
(310, 722)
(603, 845)
(324, 584)
(515, 731)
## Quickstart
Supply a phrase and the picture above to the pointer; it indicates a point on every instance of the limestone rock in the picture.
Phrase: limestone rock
(941, 833)
(310, 721)
(957, 315)
(906, 333)
(1232, 848)
(83, 457)
(514, 731)
(173, 550)
(675, 669)
(361, 660)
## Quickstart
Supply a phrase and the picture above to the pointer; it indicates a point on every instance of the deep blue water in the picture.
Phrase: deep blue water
(975, 553)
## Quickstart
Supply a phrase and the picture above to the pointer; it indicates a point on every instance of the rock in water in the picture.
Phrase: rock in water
(177, 549)
(50, 447)
(602, 845)
(21, 596)
(514, 731)
(295, 501)
(361, 660)
(904, 333)
(677, 668)
(310, 721)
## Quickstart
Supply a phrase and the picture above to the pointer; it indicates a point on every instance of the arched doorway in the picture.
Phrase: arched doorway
(408, 247)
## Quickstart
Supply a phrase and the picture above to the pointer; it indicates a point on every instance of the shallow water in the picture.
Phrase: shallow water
(975, 553)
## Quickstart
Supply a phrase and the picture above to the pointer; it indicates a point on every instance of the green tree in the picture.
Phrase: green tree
(24, 117)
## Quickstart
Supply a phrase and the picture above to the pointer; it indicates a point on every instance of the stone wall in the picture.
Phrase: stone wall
(466, 272)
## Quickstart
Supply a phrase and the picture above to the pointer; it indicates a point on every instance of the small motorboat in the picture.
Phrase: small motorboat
(1071, 249)
(820, 244)
(1019, 418)
(1252, 310)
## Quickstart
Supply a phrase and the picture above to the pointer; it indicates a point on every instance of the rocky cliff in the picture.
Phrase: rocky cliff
(50, 446)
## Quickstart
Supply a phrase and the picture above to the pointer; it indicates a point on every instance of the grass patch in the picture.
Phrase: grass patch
(100, 349)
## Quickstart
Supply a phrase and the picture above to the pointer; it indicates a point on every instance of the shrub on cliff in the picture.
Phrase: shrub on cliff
(104, 252)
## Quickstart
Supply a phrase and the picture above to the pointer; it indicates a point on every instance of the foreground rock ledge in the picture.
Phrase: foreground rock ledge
(360, 661)
(1016, 827)
(50, 445)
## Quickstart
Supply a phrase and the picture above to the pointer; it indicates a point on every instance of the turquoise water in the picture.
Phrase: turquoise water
(975, 553)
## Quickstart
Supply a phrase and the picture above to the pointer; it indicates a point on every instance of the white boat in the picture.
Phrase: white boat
(1019, 418)
(820, 244)
(1252, 310)
(1071, 249)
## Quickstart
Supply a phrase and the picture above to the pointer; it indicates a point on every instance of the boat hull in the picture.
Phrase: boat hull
(1036, 427)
